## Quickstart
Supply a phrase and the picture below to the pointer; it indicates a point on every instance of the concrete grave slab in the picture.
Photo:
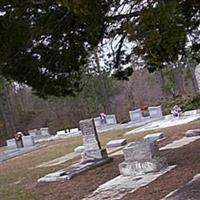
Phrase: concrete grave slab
(192, 133)
(120, 186)
(116, 143)
(154, 137)
(73, 170)
(180, 143)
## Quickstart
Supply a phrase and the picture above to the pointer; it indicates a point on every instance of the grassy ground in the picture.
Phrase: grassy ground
(18, 176)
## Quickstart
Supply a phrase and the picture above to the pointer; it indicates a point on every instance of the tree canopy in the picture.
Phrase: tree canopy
(51, 45)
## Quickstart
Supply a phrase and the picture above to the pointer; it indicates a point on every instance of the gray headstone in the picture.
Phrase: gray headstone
(28, 141)
(135, 115)
(11, 144)
(155, 111)
(116, 143)
(44, 131)
(111, 119)
(91, 142)
(33, 132)
(140, 158)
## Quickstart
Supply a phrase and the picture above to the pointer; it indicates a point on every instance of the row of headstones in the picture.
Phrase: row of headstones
(139, 157)
(154, 112)
(26, 140)
(135, 115)
(39, 132)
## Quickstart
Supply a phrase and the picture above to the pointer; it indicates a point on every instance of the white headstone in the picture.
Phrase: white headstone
(111, 119)
(155, 111)
(62, 132)
(33, 132)
(74, 130)
(135, 115)
(11, 144)
(28, 141)
(44, 131)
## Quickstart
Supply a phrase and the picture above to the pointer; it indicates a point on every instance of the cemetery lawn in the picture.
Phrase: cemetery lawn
(18, 176)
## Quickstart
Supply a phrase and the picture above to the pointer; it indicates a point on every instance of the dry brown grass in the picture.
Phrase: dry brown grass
(18, 176)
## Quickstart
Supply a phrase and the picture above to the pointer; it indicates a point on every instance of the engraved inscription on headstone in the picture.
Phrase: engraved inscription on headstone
(92, 147)
(89, 133)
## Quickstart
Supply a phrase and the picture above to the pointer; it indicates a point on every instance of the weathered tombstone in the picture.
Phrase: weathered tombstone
(28, 141)
(197, 74)
(91, 142)
(140, 158)
(135, 115)
(11, 144)
(44, 131)
(111, 119)
(155, 111)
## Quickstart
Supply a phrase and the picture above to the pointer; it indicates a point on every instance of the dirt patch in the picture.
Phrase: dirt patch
(81, 185)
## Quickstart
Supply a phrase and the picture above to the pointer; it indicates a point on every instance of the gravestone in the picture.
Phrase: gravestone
(28, 141)
(93, 150)
(11, 144)
(44, 131)
(140, 158)
(135, 115)
(111, 119)
(33, 132)
(155, 111)
(197, 75)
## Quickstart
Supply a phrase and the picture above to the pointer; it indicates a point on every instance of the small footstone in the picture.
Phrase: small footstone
(116, 143)
(192, 133)
(154, 137)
